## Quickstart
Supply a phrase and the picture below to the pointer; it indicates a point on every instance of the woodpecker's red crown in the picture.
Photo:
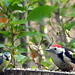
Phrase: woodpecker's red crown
(56, 45)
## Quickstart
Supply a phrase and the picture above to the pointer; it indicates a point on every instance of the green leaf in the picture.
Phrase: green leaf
(71, 15)
(8, 44)
(34, 67)
(34, 1)
(30, 33)
(15, 1)
(69, 26)
(16, 7)
(2, 16)
(72, 42)
(55, 0)
(1, 25)
(18, 22)
(64, 1)
(20, 58)
(10, 66)
(40, 12)
(10, 1)
(73, 55)
(50, 60)
(19, 27)
(63, 11)
(2, 45)
(4, 32)
(46, 63)
(22, 50)
(7, 3)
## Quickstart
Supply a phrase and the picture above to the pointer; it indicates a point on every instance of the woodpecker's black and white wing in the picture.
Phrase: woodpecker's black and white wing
(68, 53)
(68, 49)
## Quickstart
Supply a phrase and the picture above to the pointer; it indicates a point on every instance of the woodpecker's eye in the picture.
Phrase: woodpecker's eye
(55, 48)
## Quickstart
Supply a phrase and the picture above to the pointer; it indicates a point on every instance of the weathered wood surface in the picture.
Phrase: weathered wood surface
(34, 72)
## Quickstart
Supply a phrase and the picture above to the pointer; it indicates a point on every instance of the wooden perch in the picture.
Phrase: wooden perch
(34, 72)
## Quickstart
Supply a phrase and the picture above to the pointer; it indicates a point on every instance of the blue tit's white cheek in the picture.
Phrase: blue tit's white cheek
(4, 57)
(9, 57)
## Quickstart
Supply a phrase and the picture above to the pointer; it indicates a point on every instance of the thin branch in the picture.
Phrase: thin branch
(71, 37)
(13, 45)
(52, 25)
(65, 4)
(59, 19)
(69, 20)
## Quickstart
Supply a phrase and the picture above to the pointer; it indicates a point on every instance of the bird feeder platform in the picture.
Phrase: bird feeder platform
(18, 71)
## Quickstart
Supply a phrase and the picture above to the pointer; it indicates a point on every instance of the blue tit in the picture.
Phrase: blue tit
(4, 61)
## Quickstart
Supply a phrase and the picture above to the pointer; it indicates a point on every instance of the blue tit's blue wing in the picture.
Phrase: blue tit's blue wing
(1, 61)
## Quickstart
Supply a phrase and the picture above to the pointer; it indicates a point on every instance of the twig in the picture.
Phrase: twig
(71, 37)
(69, 20)
(60, 21)
(49, 45)
(13, 45)
(52, 25)
(65, 4)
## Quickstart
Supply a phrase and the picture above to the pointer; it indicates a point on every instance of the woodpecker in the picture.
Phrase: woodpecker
(62, 57)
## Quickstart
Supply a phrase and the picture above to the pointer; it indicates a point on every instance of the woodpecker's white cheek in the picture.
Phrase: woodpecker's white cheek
(60, 50)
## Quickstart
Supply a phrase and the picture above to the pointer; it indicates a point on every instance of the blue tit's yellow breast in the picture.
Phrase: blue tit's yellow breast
(5, 62)
(4, 65)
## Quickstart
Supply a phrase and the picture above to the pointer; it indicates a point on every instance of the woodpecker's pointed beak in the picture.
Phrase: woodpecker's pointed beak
(47, 49)
(50, 50)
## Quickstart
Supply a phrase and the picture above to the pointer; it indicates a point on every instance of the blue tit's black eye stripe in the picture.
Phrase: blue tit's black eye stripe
(6, 57)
